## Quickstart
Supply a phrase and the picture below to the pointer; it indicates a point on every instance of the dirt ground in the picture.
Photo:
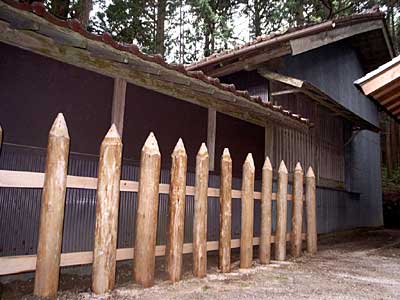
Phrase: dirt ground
(360, 265)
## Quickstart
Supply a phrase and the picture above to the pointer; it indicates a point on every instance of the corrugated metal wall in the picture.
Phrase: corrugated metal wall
(19, 208)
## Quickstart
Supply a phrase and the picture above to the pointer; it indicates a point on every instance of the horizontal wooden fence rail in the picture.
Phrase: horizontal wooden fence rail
(27, 263)
(23, 179)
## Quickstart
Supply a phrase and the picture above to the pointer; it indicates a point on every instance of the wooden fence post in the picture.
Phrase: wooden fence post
(107, 203)
(266, 213)
(225, 213)
(176, 212)
(246, 235)
(311, 212)
(297, 211)
(281, 213)
(147, 213)
(52, 211)
(200, 214)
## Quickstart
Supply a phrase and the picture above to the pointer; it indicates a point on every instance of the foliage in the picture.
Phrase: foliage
(186, 30)
(392, 182)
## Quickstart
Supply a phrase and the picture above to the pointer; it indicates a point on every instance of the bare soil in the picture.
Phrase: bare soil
(357, 265)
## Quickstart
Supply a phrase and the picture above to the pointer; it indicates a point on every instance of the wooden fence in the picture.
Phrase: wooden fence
(55, 181)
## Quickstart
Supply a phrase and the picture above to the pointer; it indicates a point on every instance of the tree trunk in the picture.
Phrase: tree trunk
(160, 34)
(60, 8)
(85, 7)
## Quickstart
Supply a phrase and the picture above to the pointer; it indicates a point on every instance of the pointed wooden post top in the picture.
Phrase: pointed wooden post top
(179, 149)
(282, 168)
(226, 155)
(59, 127)
(267, 164)
(249, 161)
(112, 136)
(150, 145)
(298, 168)
(203, 150)
(310, 172)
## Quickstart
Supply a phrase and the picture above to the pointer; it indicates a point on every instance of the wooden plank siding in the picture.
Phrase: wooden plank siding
(322, 147)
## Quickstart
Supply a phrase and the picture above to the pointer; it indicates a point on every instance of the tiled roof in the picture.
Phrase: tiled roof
(290, 33)
(39, 9)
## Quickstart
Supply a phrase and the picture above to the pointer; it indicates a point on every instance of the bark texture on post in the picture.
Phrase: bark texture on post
(52, 211)
(311, 212)
(281, 213)
(266, 213)
(107, 204)
(200, 214)
(225, 213)
(176, 212)
(297, 211)
(147, 213)
(246, 235)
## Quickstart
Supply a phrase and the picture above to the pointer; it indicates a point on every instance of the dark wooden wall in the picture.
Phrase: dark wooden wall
(35, 88)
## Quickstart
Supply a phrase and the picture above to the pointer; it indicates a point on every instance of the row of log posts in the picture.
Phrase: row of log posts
(104, 260)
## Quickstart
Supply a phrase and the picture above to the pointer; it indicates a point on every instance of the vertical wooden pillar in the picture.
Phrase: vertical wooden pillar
(176, 212)
(211, 132)
(225, 213)
(118, 105)
(281, 213)
(269, 141)
(147, 213)
(1, 136)
(52, 211)
(246, 235)
(311, 212)
(297, 211)
(107, 203)
(266, 213)
(389, 161)
(200, 214)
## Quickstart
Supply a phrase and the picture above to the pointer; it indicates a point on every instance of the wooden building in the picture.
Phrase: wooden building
(49, 66)
(310, 70)
(300, 105)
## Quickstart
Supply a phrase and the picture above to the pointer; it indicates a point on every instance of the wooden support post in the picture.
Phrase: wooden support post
(266, 213)
(176, 212)
(389, 161)
(246, 235)
(297, 211)
(52, 211)
(269, 140)
(118, 105)
(1, 136)
(147, 213)
(211, 132)
(200, 214)
(225, 213)
(311, 212)
(107, 203)
(281, 213)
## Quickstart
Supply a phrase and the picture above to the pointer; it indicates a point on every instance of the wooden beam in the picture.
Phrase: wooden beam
(308, 43)
(250, 63)
(286, 92)
(281, 78)
(211, 132)
(27, 263)
(394, 105)
(379, 81)
(118, 104)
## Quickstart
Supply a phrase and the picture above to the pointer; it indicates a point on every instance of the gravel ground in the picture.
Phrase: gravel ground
(361, 265)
